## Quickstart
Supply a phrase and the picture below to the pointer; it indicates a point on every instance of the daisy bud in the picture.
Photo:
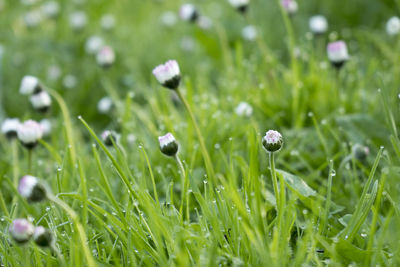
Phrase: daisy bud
(249, 33)
(244, 109)
(41, 101)
(107, 22)
(272, 141)
(168, 145)
(46, 127)
(29, 133)
(290, 6)
(188, 12)
(78, 20)
(51, 9)
(337, 53)
(21, 230)
(30, 85)
(318, 24)
(109, 137)
(360, 152)
(168, 74)
(93, 44)
(393, 26)
(30, 188)
(105, 57)
(9, 128)
(105, 105)
(43, 237)
(240, 5)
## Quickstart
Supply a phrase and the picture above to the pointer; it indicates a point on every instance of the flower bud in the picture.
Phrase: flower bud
(393, 26)
(109, 137)
(360, 152)
(240, 5)
(29, 133)
(30, 188)
(290, 6)
(105, 57)
(168, 145)
(41, 101)
(21, 230)
(318, 24)
(272, 141)
(9, 128)
(188, 12)
(168, 74)
(30, 85)
(43, 237)
(337, 53)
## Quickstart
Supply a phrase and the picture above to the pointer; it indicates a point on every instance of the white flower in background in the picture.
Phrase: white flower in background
(187, 43)
(110, 137)
(33, 18)
(51, 9)
(53, 73)
(393, 26)
(240, 5)
(168, 18)
(9, 127)
(29, 85)
(168, 74)
(318, 24)
(290, 6)
(29, 133)
(41, 101)
(105, 57)
(337, 53)
(188, 12)
(107, 22)
(244, 109)
(93, 44)
(249, 33)
(21, 230)
(70, 81)
(204, 22)
(105, 105)
(31, 189)
(43, 237)
(272, 141)
(78, 20)
(46, 126)
(168, 145)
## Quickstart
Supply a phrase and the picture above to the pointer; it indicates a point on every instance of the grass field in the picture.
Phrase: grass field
(329, 197)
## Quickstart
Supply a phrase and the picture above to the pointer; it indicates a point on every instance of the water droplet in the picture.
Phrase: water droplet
(48, 209)
(310, 114)
(333, 173)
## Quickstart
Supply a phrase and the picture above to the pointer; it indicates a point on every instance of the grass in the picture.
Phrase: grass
(126, 205)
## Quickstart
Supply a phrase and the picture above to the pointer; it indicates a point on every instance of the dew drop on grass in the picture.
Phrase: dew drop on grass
(48, 209)
(205, 181)
(310, 114)
(217, 146)
(91, 190)
(333, 173)
(363, 235)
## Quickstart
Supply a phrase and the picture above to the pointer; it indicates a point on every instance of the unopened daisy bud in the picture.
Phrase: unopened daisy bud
(244, 109)
(168, 74)
(93, 44)
(188, 12)
(9, 128)
(21, 230)
(46, 127)
(109, 137)
(107, 22)
(318, 24)
(105, 57)
(337, 53)
(290, 6)
(168, 145)
(41, 101)
(30, 85)
(272, 141)
(360, 152)
(42, 237)
(29, 133)
(30, 188)
(105, 105)
(240, 5)
(249, 33)
(51, 9)
(393, 26)
(78, 20)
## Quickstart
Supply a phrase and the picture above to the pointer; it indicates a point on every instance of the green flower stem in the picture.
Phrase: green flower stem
(82, 235)
(275, 182)
(204, 151)
(29, 161)
(185, 188)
